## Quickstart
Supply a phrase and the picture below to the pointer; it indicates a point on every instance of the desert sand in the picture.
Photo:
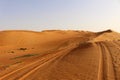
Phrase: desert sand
(59, 55)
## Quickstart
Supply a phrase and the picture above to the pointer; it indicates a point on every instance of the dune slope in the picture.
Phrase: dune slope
(59, 55)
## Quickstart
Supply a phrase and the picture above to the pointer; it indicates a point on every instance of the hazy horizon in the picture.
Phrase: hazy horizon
(37, 15)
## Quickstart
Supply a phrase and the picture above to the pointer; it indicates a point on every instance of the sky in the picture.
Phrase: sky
(37, 15)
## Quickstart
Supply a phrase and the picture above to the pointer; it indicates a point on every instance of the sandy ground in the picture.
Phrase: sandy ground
(59, 55)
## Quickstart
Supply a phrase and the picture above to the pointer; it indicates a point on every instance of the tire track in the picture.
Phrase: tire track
(100, 68)
(32, 67)
(108, 69)
(55, 58)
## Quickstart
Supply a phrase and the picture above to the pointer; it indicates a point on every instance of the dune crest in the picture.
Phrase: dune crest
(59, 55)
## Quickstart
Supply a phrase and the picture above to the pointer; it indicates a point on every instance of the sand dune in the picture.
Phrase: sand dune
(59, 55)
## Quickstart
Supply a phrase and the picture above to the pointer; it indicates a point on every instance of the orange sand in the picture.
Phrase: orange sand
(59, 55)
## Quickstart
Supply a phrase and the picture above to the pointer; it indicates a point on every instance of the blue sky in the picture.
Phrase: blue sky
(93, 15)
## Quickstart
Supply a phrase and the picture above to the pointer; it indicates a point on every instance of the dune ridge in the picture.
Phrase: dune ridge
(59, 55)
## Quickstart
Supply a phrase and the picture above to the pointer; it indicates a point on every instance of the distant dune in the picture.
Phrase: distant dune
(59, 55)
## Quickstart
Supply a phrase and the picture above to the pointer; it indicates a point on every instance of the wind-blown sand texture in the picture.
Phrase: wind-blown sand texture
(59, 55)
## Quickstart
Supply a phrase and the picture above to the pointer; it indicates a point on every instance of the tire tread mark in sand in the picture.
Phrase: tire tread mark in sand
(104, 63)
(16, 71)
(13, 72)
(34, 69)
(100, 68)
(38, 67)
(110, 71)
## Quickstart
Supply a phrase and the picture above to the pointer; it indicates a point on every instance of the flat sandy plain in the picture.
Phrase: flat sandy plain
(59, 55)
